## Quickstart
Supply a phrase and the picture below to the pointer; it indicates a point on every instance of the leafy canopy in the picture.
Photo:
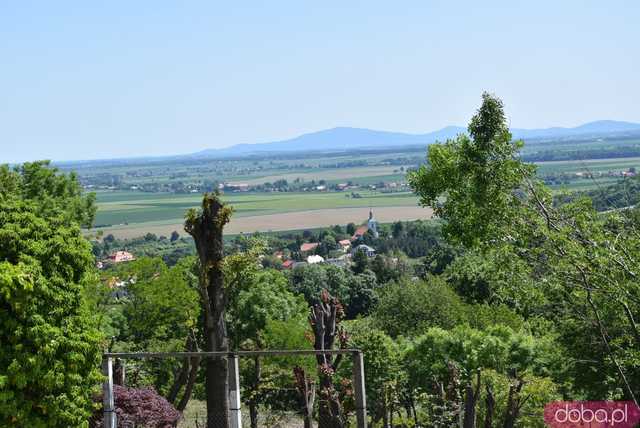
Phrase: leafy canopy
(49, 343)
(470, 180)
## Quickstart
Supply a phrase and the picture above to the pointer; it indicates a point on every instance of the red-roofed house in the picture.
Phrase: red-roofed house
(121, 256)
(308, 247)
(288, 264)
(344, 244)
(360, 231)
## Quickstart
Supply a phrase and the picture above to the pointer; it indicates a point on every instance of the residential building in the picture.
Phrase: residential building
(121, 256)
(345, 244)
(314, 259)
(288, 264)
(370, 252)
(308, 247)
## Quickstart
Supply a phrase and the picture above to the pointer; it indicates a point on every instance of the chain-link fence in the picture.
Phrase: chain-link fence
(284, 389)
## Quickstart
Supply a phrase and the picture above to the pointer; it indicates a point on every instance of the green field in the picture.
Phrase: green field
(161, 207)
(135, 213)
(589, 165)
(115, 208)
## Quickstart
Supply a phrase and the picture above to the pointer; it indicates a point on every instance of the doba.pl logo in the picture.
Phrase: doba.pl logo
(592, 414)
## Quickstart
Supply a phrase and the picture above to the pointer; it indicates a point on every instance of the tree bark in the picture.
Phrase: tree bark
(307, 391)
(119, 373)
(470, 400)
(491, 406)
(193, 374)
(180, 380)
(324, 319)
(205, 226)
(513, 403)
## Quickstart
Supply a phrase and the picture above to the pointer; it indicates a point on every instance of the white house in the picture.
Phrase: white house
(370, 252)
(315, 259)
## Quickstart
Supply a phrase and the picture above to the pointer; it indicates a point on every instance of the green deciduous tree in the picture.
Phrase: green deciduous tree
(562, 261)
(447, 367)
(262, 297)
(408, 308)
(49, 344)
(477, 175)
(382, 368)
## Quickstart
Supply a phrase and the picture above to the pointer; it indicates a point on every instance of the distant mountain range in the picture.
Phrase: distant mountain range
(344, 138)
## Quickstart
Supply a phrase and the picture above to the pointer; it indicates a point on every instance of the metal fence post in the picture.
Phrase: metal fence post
(109, 411)
(234, 392)
(359, 390)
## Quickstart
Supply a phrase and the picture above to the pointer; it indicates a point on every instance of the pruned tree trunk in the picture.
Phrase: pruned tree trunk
(470, 400)
(205, 226)
(307, 391)
(514, 403)
(119, 373)
(324, 319)
(490, 403)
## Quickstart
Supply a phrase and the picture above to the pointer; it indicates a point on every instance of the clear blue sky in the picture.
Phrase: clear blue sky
(89, 79)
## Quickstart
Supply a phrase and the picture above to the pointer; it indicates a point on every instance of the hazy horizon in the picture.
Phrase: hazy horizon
(89, 81)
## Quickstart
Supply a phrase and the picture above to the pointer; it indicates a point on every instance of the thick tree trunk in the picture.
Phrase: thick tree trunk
(206, 227)
(330, 409)
(469, 408)
(324, 320)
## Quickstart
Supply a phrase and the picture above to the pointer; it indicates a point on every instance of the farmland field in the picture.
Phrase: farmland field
(129, 214)
(333, 175)
(173, 186)
(588, 165)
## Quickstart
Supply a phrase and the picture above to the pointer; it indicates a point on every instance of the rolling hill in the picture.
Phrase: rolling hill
(345, 138)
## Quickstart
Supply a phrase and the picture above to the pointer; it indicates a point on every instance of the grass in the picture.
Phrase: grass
(194, 416)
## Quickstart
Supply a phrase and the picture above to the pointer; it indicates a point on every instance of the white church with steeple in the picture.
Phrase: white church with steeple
(372, 224)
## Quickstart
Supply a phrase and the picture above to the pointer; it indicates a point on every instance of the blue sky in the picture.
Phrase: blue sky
(86, 80)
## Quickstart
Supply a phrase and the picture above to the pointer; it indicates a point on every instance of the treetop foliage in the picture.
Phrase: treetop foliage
(478, 176)
(50, 191)
(49, 343)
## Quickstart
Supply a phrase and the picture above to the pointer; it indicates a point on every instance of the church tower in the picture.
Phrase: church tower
(372, 224)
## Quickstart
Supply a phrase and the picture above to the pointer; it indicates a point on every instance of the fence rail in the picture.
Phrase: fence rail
(109, 414)
(144, 355)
